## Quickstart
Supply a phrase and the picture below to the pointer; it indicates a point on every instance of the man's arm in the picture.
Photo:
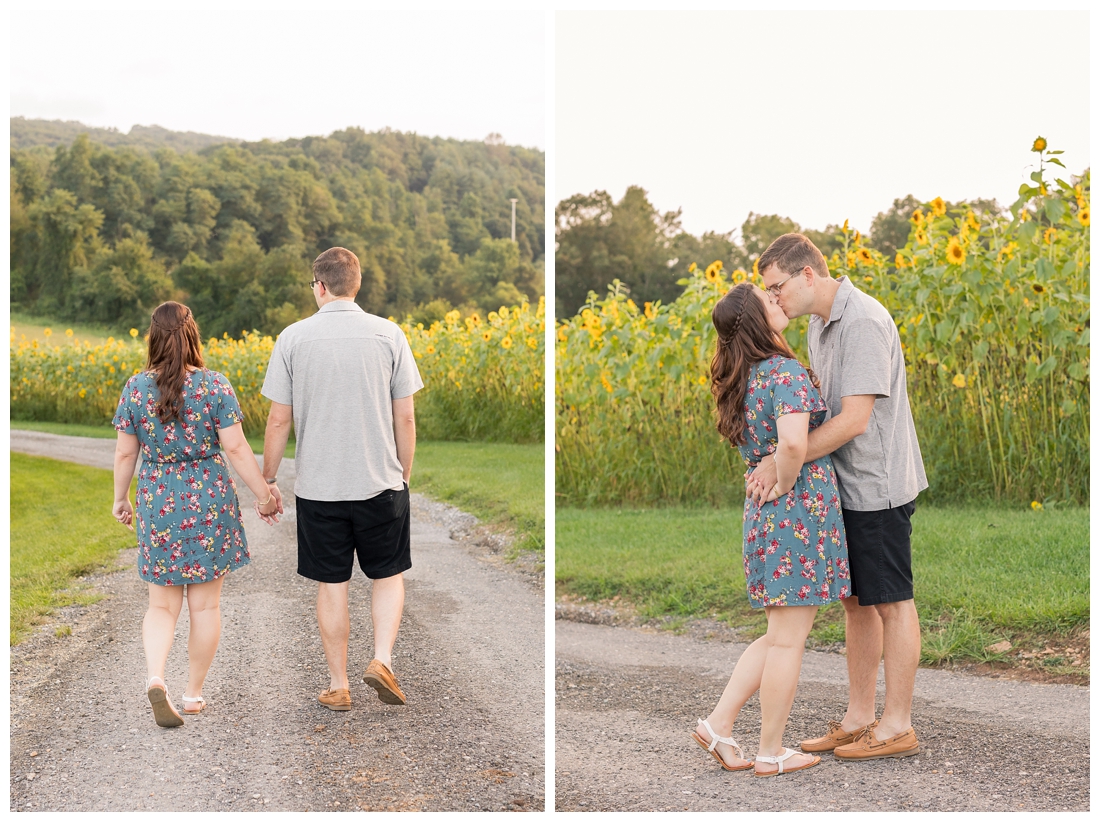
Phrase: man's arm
(855, 413)
(404, 434)
(279, 420)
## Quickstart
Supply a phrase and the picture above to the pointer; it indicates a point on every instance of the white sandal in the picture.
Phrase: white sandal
(192, 699)
(164, 712)
(779, 760)
(714, 740)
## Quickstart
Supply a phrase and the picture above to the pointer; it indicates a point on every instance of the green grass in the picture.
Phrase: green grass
(34, 329)
(61, 529)
(501, 484)
(982, 574)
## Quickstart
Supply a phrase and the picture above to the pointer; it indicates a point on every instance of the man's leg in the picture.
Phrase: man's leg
(901, 649)
(332, 619)
(387, 605)
(863, 646)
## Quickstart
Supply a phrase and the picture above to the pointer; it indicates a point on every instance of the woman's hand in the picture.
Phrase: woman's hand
(269, 511)
(123, 511)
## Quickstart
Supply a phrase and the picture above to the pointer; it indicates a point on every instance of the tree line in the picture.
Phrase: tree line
(103, 234)
(600, 240)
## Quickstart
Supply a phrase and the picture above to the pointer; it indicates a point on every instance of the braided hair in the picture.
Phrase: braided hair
(744, 340)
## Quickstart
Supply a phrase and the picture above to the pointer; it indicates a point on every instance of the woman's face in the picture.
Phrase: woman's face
(777, 320)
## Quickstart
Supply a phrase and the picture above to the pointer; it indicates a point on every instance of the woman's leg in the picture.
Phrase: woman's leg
(204, 610)
(159, 626)
(788, 627)
(744, 682)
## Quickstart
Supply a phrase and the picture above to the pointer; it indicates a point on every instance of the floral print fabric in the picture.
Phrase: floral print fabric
(187, 514)
(795, 552)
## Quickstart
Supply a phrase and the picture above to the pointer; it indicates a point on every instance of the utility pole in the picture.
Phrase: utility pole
(514, 201)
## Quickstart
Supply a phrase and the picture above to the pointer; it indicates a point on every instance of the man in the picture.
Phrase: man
(347, 380)
(856, 352)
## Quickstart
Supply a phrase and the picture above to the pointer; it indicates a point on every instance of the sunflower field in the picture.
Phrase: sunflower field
(483, 378)
(993, 313)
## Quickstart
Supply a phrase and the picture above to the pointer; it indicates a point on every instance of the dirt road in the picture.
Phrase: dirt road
(627, 700)
(469, 657)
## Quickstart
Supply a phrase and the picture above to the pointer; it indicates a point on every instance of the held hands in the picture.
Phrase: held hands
(761, 485)
(274, 505)
(123, 511)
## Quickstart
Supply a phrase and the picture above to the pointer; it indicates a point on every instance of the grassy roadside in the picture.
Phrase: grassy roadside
(57, 536)
(106, 432)
(34, 328)
(984, 575)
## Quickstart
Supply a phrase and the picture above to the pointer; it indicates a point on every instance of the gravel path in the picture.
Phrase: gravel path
(627, 700)
(469, 657)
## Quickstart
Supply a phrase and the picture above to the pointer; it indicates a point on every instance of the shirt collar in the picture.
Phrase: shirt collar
(840, 299)
(340, 305)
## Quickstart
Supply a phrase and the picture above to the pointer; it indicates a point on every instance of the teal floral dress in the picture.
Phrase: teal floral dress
(795, 552)
(187, 514)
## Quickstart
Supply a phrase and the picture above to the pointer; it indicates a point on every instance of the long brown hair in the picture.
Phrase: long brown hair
(174, 344)
(744, 339)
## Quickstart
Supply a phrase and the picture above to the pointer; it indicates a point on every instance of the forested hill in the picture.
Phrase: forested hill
(103, 234)
(30, 132)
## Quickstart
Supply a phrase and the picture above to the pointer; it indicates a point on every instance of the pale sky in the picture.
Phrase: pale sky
(279, 74)
(821, 116)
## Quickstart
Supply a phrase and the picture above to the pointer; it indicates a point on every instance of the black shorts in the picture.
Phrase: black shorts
(330, 534)
(879, 555)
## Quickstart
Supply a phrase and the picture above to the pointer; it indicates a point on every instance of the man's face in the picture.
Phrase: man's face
(790, 293)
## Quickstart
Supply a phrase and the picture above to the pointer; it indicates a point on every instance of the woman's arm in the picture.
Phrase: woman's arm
(244, 461)
(126, 456)
(790, 453)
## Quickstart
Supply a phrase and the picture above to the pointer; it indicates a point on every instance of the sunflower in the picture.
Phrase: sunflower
(532, 343)
(1040, 144)
(506, 342)
(691, 268)
(650, 311)
(920, 236)
(1036, 505)
(1025, 215)
(844, 228)
(430, 349)
(939, 207)
(756, 268)
(972, 220)
(899, 261)
(1037, 288)
(1083, 216)
(918, 218)
(864, 256)
(851, 260)
(1048, 235)
(714, 272)
(956, 254)
(959, 381)
(487, 335)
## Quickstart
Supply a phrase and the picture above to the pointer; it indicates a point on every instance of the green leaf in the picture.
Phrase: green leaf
(1055, 209)
(1028, 230)
(1044, 269)
(1077, 371)
(1056, 162)
(1047, 365)
(980, 350)
(1037, 176)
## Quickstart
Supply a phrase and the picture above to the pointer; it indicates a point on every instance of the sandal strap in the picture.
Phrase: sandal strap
(186, 698)
(777, 760)
(715, 739)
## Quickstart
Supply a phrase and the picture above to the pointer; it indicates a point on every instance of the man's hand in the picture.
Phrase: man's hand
(275, 492)
(760, 484)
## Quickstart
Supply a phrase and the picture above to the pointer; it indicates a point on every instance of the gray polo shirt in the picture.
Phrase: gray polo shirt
(858, 351)
(340, 370)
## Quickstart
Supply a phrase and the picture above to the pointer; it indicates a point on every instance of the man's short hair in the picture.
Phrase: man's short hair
(791, 253)
(339, 270)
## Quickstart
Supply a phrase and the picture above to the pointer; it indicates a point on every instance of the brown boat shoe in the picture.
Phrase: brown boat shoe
(381, 678)
(834, 738)
(867, 747)
(335, 699)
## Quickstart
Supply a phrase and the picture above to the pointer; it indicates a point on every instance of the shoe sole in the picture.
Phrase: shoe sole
(717, 756)
(163, 712)
(334, 707)
(817, 761)
(895, 755)
(826, 749)
(385, 693)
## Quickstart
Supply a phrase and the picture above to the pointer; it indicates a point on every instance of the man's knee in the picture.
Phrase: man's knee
(893, 611)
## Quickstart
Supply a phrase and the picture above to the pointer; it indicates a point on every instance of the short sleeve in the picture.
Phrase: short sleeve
(227, 411)
(865, 358)
(405, 378)
(278, 384)
(124, 415)
(792, 390)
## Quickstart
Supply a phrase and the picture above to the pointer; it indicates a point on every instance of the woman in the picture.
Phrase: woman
(181, 417)
(795, 554)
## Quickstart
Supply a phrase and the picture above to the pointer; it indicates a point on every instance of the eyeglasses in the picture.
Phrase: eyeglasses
(314, 282)
(774, 290)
